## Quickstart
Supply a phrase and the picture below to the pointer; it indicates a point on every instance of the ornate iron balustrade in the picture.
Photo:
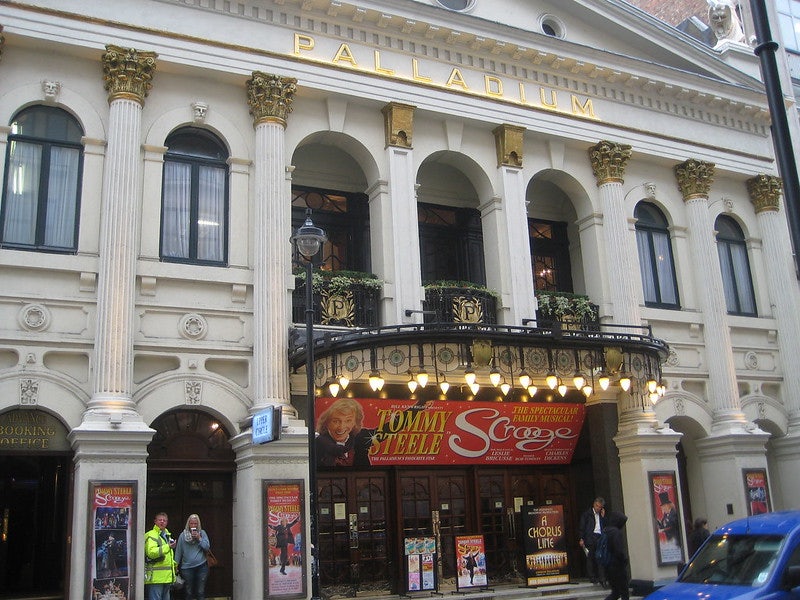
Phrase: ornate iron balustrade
(451, 304)
(355, 306)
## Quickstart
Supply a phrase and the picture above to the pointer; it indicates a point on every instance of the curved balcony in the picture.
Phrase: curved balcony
(341, 298)
(459, 302)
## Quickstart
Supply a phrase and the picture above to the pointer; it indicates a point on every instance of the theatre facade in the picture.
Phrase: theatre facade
(554, 265)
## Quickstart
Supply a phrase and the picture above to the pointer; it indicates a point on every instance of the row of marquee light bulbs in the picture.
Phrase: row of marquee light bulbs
(655, 390)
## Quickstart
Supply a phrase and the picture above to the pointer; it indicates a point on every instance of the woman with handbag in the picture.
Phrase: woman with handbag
(190, 555)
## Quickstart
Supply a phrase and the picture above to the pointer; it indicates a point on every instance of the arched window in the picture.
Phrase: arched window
(451, 244)
(552, 271)
(655, 257)
(194, 208)
(41, 192)
(735, 265)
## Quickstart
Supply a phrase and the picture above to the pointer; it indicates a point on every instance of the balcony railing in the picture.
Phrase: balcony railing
(571, 311)
(340, 298)
(459, 304)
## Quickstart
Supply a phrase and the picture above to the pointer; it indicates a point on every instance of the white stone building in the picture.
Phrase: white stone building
(158, 155)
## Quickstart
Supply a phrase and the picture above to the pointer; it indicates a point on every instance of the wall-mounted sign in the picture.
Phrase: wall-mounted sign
(32, 430)
(756, 491)
(284, 571)
(372, 432)
(667, 517)
(267, 425)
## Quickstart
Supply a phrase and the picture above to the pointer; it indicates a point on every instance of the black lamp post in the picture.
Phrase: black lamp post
(308, 239)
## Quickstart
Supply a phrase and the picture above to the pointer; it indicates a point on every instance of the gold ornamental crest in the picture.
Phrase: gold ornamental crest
(467, 310)
(337, 308)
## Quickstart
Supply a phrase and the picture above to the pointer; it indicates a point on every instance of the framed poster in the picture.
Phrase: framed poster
(112, 539)
(666, 517)
(284, 543)
(545, 545)
(471, 562)
(756, 491)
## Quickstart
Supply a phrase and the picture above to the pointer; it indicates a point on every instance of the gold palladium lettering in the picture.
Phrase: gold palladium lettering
(550, 99)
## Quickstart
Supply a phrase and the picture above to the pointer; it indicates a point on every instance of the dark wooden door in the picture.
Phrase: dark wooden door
(354, 534)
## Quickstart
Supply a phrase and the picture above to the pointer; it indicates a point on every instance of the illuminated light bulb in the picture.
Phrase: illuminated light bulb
(474, 387)
(654, 397)
(551, 380)
(524, 379)
(344, 381)
(579, 381)
(422, 378)
(469, 377)
(333, 388)
(504, 387)
(381, 381)
(604, 381)
(662, 389)
(562, 389)
(412, 384)
(494, 377)
(652, 386)
(375, 381)
(625, 383)
(444, 386)
(532, 389)
(587, 390)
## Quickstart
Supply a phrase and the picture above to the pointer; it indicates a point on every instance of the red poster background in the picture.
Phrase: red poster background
(473, 545)
(112, 523)
(284, 500)
(450, 433)
(667, 521)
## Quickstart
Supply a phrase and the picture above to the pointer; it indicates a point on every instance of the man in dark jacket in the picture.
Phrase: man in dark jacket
(590, 526)
(617, 569)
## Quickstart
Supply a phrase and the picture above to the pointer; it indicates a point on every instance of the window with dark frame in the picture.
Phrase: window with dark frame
(451, 244)
(735, 265)
(345, 218)
(194, 208)
(656, 263)
(550, 260)
(41, 193)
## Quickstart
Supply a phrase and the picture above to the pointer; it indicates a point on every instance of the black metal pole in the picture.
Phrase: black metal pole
(784, 151)
(312, 443)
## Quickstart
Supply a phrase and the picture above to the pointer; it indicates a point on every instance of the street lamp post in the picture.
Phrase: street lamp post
(307, 239)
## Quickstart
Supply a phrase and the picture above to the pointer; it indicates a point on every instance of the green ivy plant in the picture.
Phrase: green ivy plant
(562, 304)
(450, 284)
(340, 281)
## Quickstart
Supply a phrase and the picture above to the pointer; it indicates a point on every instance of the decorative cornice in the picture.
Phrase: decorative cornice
(509, 143)
(765, 192)
(694, 178)
(608, 161)
(398, 123)
(128, 73)
(270, 97)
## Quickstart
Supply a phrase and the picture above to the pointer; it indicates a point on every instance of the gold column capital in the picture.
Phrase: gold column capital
(694, 178)
(270, 97)
(765, 192)
(398, 124)
(128, 73)
(509, 143)
(608, 161)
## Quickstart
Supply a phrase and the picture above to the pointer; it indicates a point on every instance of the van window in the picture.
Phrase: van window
(734, 560)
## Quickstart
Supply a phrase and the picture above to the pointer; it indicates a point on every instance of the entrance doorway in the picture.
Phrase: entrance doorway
(365, 517)
(34, 490)
(190, 470)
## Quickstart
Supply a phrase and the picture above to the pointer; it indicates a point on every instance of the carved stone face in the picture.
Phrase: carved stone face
(720, 17)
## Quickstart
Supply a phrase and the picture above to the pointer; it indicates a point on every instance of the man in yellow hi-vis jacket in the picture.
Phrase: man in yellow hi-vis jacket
(159, 563)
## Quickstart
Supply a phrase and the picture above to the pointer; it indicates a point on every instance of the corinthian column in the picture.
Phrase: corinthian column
(270, 100)
(694, 181)
(765, 192)
(127, 75)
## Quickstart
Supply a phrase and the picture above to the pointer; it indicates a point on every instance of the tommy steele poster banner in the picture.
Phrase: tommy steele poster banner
(284, 545)
(112, 526)
(471, 562)
(368, 432)
(667, 518)
(545, 545)
(756, 491)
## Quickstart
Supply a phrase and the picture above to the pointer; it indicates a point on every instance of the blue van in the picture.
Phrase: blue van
(757, 558)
